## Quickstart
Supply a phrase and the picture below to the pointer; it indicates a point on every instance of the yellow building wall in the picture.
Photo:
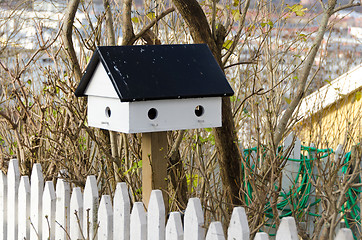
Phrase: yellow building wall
(339, 123)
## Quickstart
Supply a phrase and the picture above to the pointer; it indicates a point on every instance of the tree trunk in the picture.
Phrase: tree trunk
(225, 137)
(226, 142)
(67, 37)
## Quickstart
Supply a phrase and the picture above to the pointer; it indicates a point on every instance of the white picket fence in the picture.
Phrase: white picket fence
(38, 211)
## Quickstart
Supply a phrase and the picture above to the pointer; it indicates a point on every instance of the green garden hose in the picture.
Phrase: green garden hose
(299, 199)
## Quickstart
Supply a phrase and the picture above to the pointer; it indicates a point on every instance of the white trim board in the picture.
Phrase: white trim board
(331, 93)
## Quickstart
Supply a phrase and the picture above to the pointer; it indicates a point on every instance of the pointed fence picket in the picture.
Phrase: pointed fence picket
(105, 217)
(156, 216)
(287, 229)
(138, 222)
(238, 220)
(194, 220)
(110, 222)
(3, 206)
(62, 209)
(261, 236)
(90, 208)
(24, 208)
(344, 234)
(76, 214)
(174, 229)
(36, 192)
(13, 186)
(121, 215)
(48, 215)
(215, 232)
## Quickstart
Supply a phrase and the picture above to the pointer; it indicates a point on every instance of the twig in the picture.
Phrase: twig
(213, 19)
(63, 228)
(238, 34)
(177, 143)
(322, 4)
(246, 98)
(8, 119)
(349, 5)
(241, 63)
(150, 25)
(32, 225)
(79, 225)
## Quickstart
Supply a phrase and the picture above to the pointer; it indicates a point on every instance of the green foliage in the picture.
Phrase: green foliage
(287, 100)
(227, 44)
(135, 20)
(303, 37)
(151, 15)
(358, 95)
(328, 80)
(210, 138)
(192, 181)
(236, 15)
(246, 113)
(297, 9)
(268, 23)
(135, 166)
(82, 143)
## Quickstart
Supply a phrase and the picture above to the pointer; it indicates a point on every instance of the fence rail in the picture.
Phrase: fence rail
(37, 210)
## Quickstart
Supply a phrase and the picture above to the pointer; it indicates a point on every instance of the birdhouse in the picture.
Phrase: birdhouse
(153, 88)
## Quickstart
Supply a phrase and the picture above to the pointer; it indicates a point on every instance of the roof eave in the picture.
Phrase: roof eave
(87, 75)
(178, 97)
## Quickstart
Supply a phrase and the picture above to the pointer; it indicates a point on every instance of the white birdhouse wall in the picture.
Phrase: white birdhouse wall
(153, 116)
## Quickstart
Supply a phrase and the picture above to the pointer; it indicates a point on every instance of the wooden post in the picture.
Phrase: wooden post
(154, 165)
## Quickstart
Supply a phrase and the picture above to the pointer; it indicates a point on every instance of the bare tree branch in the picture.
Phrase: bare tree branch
(252, 61)
(238, 34)
(351, 4)
(283, 122)
(151, 24)
(113, 136)
(177, 143)
(322, 4)
(8, 119)
(213, 19)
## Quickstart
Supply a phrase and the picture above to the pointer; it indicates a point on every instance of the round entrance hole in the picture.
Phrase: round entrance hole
(152, 113)
(108, 112)
(199, 110)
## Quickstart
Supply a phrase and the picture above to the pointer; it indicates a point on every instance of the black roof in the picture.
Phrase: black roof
(151, 72)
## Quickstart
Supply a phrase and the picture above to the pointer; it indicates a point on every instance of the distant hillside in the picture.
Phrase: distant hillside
(11, 3)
